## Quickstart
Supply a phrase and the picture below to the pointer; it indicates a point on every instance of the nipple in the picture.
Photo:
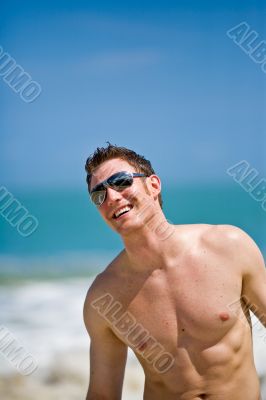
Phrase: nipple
(224, 316)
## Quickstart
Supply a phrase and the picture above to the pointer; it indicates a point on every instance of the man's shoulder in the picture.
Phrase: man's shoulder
(210, 233)
(105, 281)
(227, 239)
(224, 233)
(218, 237)
(101, 291)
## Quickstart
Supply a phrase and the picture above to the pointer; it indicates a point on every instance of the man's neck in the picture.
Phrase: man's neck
(147, 249)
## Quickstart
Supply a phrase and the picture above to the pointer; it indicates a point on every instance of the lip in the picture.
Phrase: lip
(122, 216)
(119, 208)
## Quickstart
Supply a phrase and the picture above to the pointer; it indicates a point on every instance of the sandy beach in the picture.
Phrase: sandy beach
(67, 379)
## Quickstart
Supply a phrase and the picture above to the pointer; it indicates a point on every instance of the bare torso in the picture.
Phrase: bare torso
(183, 309)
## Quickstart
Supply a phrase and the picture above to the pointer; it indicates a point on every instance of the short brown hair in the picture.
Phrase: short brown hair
(102, 154)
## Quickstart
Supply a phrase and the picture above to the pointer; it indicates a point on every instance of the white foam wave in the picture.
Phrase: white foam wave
(46, 318)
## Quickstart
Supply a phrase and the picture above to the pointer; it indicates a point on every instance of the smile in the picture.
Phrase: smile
(121, 211)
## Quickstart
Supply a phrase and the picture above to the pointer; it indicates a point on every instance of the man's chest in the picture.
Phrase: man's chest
(183, 303)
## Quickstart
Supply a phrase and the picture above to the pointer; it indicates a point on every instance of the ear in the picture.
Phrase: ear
(154, 185)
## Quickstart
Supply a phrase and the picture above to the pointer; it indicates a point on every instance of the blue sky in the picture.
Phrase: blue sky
(160, 77)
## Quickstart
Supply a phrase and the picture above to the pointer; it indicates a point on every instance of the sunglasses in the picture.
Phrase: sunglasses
(118, 182)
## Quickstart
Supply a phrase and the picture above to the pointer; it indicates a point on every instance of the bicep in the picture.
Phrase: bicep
(107, 364)
(254, 280)
(108, 357)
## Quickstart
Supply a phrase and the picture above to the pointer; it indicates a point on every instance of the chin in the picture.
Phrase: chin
(128, 227)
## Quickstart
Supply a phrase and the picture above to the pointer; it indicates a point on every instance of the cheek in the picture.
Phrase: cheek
(103, 212)
(138, 193)
(130, 195)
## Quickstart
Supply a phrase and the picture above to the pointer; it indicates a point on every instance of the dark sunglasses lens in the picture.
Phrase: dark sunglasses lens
(120, 181)
(98, 197)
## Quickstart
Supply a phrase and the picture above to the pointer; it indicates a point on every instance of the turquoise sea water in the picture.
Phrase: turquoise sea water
(72, 239)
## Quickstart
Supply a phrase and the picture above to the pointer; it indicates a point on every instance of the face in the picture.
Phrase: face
(129, 209)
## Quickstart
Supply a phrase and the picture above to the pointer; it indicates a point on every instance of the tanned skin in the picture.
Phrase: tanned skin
(191, 290)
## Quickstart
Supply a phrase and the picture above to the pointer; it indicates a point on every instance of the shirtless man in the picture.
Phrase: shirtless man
(179, 296)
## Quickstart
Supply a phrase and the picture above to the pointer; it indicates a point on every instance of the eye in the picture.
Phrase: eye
(121, 181)
(98, 197)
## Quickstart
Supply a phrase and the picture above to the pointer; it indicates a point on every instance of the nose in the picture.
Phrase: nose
(112, 196)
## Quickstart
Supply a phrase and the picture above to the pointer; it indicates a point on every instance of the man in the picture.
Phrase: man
(179, 296)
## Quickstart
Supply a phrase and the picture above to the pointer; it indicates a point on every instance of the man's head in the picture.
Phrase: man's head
(102, 154)
(140, 189)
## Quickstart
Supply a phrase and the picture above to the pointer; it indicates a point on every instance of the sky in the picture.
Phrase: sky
(162, 78)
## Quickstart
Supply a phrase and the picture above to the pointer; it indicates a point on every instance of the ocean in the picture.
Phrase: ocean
(44, 279)
(71, 238)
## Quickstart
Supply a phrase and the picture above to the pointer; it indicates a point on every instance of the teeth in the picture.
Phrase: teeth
(122, 210)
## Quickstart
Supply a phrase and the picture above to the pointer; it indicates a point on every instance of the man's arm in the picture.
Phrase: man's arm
(107, 355)
(254, 273)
